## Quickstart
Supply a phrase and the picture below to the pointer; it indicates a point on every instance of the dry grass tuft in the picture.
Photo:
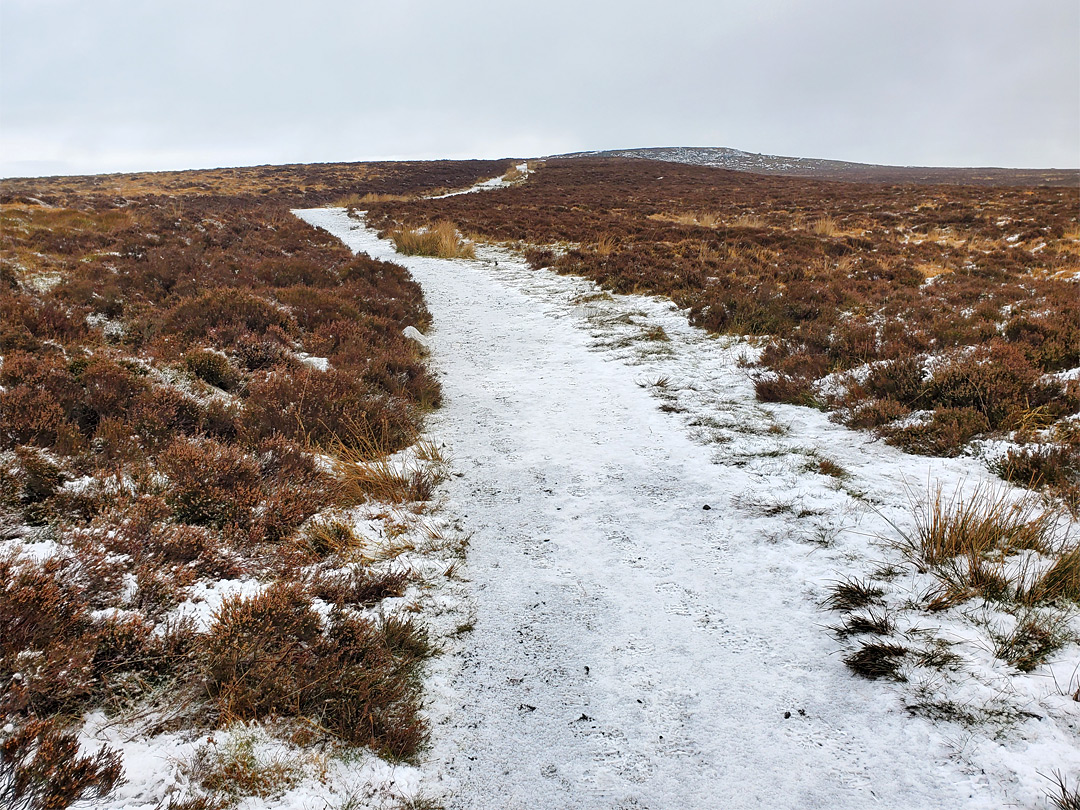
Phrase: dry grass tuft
(986, 522)
(852, 594)
(441, 240)
(877, 659)
(826, 226)
(324, 537)
(385, 481)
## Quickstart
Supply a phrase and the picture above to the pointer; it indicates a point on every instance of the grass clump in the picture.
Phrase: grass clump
(872, 622)
(851, 594)
(238, 768)
(441, 240)
(986, 521)
(272, 656)
(1009, 552)
(1035, 637)
(877, 659)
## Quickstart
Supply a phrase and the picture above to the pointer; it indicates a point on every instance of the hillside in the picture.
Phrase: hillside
(719, 157)
(582, 482)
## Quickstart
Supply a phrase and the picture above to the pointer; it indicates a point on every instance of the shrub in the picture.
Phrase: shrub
(360, 587)
(1055, 467)
(212, 368)
(900, 379)
(785, 388)
(270, 655)
(326, 408)
(224, 315)
(41, 768)
(255, 353)
(875, 413)
(944, 434)
(211, 484)
(994, 380)
(257, 651)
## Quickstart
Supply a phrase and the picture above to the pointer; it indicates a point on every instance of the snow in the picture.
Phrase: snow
(485, 185)
(634, 649)
(317, 363)
(412, 333)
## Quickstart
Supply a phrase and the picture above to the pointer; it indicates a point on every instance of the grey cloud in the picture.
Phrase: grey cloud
(130, 85)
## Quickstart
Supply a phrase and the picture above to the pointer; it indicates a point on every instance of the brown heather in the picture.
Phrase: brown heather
(153, 330)
(837, 276)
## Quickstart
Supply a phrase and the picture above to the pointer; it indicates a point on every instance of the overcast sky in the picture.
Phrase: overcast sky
(127, 85)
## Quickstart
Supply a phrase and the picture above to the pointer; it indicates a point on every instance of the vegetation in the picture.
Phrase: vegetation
(933, 315)
(441, 239)
(190, 380)
(1009, 565)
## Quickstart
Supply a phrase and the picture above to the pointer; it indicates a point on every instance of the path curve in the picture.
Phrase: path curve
(631, 647)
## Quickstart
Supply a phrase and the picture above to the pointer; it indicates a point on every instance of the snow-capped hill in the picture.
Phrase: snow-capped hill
(722, 157)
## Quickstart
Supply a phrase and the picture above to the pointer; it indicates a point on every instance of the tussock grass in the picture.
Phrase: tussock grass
(1012, 552)
(385, 481)
(606, 245)
(748, 221)
(1037, 635)
(851, 594)
(987, 521)
(441, 240)
(365, 471)
(878, 659)
(826, 226)
(327, 536)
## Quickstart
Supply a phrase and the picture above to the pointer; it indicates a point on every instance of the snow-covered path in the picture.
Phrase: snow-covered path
(647, 628)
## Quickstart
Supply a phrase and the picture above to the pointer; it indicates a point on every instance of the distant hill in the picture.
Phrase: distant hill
(724, 158)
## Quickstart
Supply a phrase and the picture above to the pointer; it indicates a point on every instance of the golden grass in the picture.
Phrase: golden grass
(605, 245)
(441, 240)
(988, 520)
(992, 545)
(366, 473)
(703, 219)
(330, 535)
(360, 200)
(826, 226)
(748, 221)
(709, 219)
